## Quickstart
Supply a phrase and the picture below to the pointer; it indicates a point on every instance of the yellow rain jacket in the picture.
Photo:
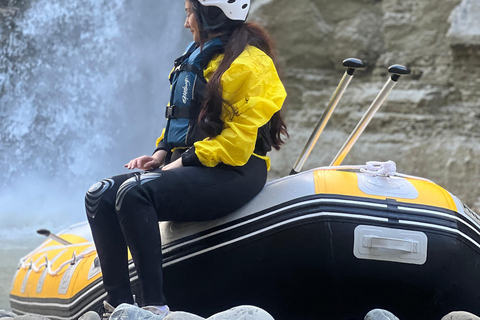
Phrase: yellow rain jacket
(251, 85)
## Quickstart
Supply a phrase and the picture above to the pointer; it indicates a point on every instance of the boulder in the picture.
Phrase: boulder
(380, 314)
(460, 315)
(464, 24)
(130, 312)
(6, 314)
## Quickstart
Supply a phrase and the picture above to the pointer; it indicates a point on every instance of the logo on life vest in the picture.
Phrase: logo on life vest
(185, 90)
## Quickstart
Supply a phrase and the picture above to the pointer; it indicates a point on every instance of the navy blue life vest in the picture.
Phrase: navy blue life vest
(188, 87)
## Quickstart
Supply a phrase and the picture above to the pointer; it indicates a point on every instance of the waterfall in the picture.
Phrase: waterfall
(83, 85)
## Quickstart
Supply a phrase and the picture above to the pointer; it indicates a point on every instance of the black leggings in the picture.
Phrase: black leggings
(125, 210)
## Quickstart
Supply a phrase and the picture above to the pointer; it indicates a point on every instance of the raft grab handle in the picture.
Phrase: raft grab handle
(404, 245)
(388, 244)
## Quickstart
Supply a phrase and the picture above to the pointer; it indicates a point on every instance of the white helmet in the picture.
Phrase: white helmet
(233, 9)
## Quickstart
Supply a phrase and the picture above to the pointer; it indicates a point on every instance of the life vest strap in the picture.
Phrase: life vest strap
(173, 112)
(186, 67)
(191, 68)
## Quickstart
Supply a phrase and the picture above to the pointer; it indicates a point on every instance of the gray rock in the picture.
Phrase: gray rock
(180, 315)
(380, 314)
(460, 315)
(129, 312)
(6, 314)
(31, 317)
(90, 315)
(465, 23)
(242, 313)
(237, 313)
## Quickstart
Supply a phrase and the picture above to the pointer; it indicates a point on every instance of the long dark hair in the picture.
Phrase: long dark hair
(237, 36)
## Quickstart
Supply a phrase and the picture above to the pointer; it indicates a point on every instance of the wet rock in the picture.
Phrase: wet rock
(460, 315)
(180, 315)
(6, 314)
(237, 313)
(380, 314)
(243, 313)
(129, 312)
(90, 315)
(31, 317)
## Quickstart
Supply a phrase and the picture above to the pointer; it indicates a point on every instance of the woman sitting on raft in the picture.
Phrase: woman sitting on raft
(222, 119)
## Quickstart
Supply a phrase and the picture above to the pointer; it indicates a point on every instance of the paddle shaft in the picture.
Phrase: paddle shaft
(352, 64)
(53, 236)
(363, 123)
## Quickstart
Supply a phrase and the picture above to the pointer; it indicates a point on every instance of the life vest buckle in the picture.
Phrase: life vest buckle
(169, 112)
(173, 112)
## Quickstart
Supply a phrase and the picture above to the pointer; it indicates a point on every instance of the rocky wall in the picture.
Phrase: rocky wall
(429, 125)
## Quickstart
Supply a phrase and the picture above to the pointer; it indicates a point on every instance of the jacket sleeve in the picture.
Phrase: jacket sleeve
(252, 87)
(161, 143)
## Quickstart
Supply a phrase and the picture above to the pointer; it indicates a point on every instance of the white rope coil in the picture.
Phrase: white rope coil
(377, 168)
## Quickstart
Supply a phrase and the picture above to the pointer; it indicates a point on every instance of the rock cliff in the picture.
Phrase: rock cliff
(429, 123)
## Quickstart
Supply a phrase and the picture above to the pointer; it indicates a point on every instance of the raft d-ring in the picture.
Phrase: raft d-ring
(74, 259)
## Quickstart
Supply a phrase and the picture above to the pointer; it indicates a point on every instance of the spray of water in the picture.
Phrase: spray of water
(82, 91)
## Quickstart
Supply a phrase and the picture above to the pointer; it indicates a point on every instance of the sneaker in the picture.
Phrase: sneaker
(107, 310)
(161, 311)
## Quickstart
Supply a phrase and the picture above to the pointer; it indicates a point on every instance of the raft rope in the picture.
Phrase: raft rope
(47, 264)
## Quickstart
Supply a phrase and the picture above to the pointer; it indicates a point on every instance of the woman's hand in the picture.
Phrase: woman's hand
(173, 165)
(147, 162)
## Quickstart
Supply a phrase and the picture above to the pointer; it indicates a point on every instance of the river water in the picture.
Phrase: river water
(83, 85)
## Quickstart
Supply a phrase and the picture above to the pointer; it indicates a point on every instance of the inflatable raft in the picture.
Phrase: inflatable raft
(333, 243)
